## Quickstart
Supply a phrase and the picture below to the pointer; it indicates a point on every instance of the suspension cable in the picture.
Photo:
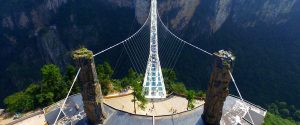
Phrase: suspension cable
(167, 45)
(135, 55)
(240, 95)
(130, 58)
(176, 58)
(117, 63)
(123, 40)
(67, 95)
(138, 51)
(162, 39)
(182, 39)
(141, 44)
(134, 63)
(171, 52)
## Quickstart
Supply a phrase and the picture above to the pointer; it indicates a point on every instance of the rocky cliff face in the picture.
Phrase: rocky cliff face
(55, 4)
(242, 12)
(39, 32)
(268, 11)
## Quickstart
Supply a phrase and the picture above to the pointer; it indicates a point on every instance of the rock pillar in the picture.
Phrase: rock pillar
(90, 87)
(218, 87)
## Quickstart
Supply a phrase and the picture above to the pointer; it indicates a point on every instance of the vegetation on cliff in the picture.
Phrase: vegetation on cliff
(272, 119)
(285, 111)
(54, 86)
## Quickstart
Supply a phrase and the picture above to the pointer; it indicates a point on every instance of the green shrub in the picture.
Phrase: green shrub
(19, 102)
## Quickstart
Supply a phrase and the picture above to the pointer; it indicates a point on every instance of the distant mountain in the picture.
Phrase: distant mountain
(264, 35)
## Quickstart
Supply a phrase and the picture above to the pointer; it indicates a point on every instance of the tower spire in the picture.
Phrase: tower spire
(153, 85)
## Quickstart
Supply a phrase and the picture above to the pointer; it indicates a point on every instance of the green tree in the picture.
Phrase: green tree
(201, 94)
(125, 82)
(19, 102)
(138, 95)
(33, 90)
(45, 98)
(117, 84)
(69, 77)
(105, 86)
(135, 82)
(52, 83)
(179, 88)
(108, 70)
(169, 79)
(131, 76)
(100, 72)
(191, 99)
(70, 73)
(105, 72)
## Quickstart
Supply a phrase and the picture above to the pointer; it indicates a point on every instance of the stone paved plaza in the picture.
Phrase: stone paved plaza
(171, 105)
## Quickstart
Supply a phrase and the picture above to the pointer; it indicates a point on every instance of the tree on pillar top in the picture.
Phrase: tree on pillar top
(218, 87)
(82, 54)
(90, 87)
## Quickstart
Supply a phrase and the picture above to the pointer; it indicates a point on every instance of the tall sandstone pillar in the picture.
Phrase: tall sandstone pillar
(90, 87)
(218, 87)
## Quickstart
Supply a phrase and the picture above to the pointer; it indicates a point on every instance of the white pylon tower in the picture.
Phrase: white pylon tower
(153, 86)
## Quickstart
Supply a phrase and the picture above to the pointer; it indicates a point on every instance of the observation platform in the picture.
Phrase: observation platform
(120, 112)
(168, 106)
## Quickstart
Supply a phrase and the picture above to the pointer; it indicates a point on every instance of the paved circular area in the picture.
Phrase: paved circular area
(172, 105)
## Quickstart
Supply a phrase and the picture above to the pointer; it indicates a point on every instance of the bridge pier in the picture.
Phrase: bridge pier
(90, 87)
(218, 87)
